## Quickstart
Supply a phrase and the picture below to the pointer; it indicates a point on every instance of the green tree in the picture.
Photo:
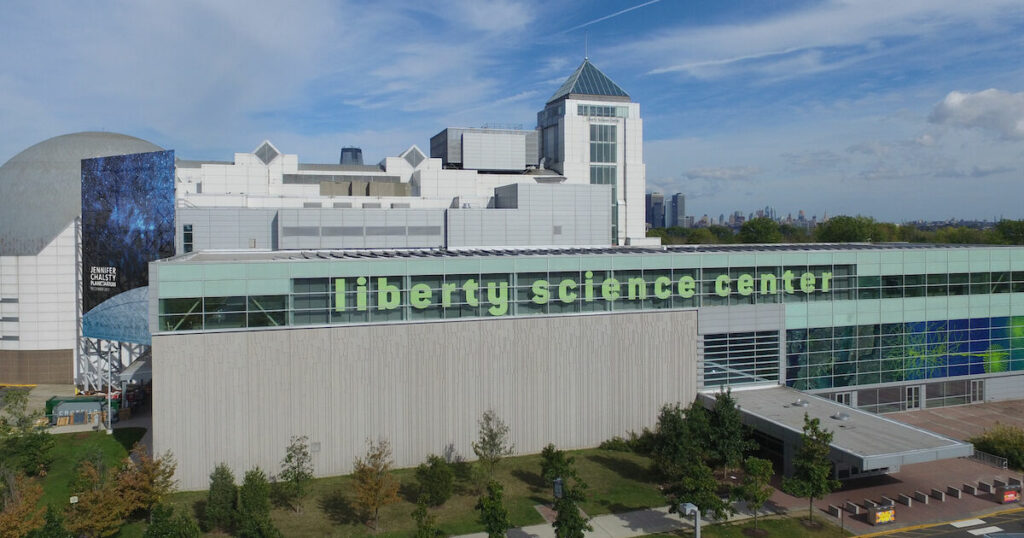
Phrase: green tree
(493, 514)
(296, 472)
(812, 468)
(681, 435)
(375, 486)
(844, 229)
(426, 523)
(436, 479)
(695, 483)
(884, 232)
(555, 463)
(492, 443)
(756, 488)
(24, 442)
(760, 230)
(254, 506)
(221, 501)
(165, 524)
(701, 236)
(1005, 441)
(1011, 231)
(569, 522)
(793, 234)
(723, 234)
(53, 526)
(730, 441)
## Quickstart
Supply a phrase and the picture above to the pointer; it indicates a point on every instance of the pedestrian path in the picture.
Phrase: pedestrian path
(624, 525)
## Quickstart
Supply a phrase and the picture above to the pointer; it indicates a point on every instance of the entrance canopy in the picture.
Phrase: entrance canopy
(862, 440)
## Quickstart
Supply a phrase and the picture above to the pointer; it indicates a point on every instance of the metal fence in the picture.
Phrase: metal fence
(989, 459)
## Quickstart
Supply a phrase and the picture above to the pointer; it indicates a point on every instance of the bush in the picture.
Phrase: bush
(254, 507)
(296, 473)
(165, 524)
(618, 444)
(221, 500)
(436, 479)
(639, 443)
(1005, 441)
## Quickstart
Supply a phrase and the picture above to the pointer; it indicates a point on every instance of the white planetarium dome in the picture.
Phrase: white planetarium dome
(41, 187)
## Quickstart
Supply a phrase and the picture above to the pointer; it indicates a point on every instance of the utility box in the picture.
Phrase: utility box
(1008, 494)
(882, 514)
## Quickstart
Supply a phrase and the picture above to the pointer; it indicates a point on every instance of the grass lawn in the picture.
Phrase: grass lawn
(70, 448)
(619, 481)
(789, 527)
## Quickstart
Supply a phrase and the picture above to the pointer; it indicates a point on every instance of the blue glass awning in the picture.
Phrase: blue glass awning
(122, 318)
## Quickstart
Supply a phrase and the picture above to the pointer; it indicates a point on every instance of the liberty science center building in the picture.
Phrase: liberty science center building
(509, 270)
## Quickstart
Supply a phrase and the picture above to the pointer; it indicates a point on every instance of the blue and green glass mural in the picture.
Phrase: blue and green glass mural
(894, 352)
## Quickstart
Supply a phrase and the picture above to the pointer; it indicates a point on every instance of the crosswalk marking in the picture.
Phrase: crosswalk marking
(986, 530)
(968, 523)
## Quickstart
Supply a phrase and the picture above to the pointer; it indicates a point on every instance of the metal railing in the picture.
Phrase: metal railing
(989, 459)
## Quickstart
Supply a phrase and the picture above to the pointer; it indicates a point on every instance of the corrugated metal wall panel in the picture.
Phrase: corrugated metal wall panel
(573, 380)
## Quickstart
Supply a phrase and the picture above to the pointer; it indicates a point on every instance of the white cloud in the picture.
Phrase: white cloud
(792, 43)
(724, 173)
(991, 110)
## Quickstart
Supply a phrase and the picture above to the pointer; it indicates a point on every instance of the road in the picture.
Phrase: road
(1011, 521)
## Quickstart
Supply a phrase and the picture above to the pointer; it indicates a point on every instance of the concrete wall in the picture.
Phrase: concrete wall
(227, 228)
(237, 397)
(360, 228)
(536, 214)
(1004, 388)
(37, 313)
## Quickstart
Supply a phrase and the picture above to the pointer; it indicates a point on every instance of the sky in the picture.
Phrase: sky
(903, 110)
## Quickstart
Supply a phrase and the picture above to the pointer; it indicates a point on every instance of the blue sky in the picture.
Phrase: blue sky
(898, 110)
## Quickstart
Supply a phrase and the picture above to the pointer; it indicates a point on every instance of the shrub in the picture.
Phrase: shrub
(221, 500)
(436, 479)
(254, 507)
(296, 472)
(617, 444)
(1005, 441)
(165, 524)
(638, 443)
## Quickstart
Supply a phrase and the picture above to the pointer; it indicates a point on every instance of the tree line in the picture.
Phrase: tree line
(842, 229)
(695, 452)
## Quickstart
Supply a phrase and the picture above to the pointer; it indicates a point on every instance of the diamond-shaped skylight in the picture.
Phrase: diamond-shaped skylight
(266, 152)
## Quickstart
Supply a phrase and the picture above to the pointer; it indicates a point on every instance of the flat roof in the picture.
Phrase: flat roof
(363, 254)
(868, 440)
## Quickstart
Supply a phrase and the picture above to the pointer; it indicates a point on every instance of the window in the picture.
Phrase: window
(605, 175)
(603, 111)
(603, 147)
(738, 358)
(186, 238)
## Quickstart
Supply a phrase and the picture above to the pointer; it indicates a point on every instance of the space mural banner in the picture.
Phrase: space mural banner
(127, 221)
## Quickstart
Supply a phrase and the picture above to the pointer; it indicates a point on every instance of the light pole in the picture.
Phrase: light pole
(690, 509)
(110, 366)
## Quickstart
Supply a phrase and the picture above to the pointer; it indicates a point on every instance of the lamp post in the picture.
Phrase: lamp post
(110, 366)
(690, 509)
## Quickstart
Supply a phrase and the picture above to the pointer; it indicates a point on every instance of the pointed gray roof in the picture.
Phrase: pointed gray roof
(589, 80)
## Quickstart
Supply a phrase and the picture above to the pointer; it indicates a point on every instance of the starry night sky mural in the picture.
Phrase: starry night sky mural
(127, 221)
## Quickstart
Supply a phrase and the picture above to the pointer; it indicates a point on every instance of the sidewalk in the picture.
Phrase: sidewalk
(626, 524)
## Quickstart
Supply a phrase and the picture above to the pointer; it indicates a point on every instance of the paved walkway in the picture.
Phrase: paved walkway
(965, 421)
(923, 477)
(624, 525)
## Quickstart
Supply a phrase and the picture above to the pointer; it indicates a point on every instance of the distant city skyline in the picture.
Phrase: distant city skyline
(900, 111)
